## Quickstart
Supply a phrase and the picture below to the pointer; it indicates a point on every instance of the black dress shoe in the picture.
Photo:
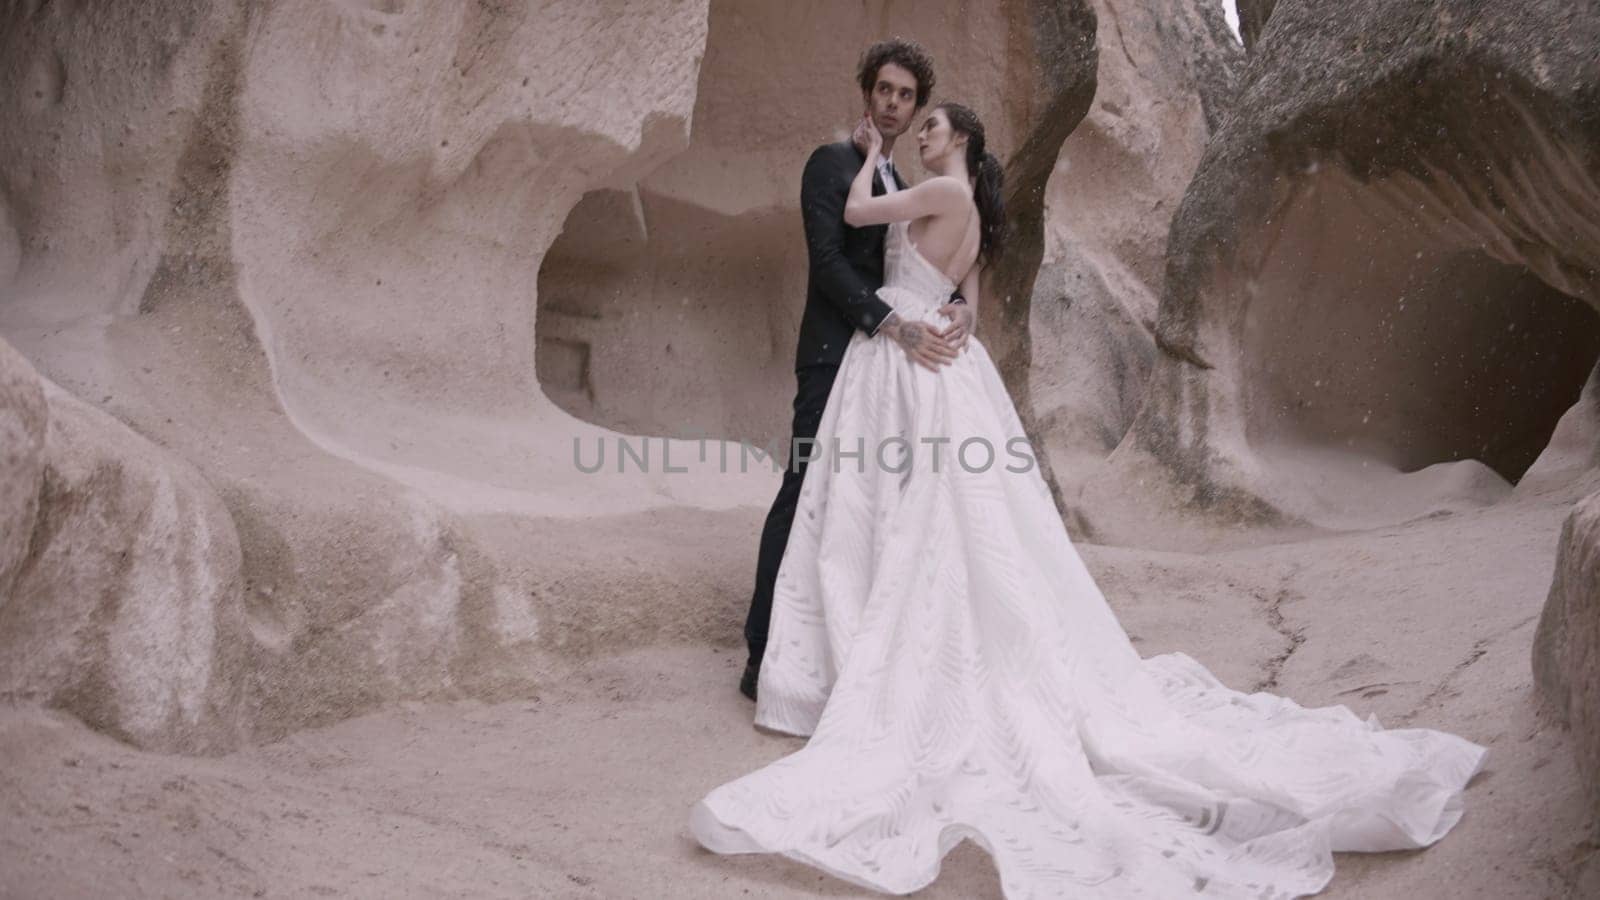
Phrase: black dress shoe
(747, 684)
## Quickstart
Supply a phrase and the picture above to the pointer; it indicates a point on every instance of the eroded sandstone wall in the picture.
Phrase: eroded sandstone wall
(1380, 284)
(1167, 74)
(293, 247)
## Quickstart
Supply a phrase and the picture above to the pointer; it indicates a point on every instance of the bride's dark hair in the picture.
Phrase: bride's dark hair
(990, 179)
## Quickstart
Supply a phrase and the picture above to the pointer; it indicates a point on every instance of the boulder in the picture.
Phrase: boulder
(126, 610)
(1566, 648)
(23, 418)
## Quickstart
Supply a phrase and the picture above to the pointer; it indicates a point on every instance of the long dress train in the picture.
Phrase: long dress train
(960, 675)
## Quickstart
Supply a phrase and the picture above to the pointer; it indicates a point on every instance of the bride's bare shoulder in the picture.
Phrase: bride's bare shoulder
(947, 187)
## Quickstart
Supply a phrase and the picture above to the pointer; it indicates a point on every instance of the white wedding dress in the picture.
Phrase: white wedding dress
(961, 676)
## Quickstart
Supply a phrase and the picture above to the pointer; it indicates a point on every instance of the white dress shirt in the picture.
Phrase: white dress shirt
(889, 187)
(889, 184)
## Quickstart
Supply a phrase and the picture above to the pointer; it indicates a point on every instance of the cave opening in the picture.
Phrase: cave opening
(1379, 326)
(665, 317)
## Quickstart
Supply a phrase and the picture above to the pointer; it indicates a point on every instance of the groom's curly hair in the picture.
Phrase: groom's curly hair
(908, 55)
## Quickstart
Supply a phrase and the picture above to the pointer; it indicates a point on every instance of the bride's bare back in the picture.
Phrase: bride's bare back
(949, 240)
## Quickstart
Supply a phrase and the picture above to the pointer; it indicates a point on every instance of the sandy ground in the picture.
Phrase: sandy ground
(583, 791)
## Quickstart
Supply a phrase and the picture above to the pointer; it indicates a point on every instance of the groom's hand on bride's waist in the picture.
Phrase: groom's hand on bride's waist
(962, 320)
(921, 341)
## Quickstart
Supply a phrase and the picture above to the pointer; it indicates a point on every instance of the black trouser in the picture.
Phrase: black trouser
(811, 395)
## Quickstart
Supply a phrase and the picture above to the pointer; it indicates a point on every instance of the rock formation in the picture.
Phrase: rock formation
(1381, 291)
(1166, 74)
(1252, 18)
(1566, 651)
(126, 609)
(295, 245)
(1380, 284)
(23, 422)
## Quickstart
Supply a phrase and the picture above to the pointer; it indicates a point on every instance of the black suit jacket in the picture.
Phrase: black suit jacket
(846, 264)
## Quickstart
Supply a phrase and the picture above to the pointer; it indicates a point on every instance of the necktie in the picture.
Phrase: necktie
(886, 172)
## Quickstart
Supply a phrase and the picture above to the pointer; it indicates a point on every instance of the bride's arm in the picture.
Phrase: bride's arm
(936, 195)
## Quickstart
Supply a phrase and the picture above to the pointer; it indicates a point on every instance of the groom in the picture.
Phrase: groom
(846, 270)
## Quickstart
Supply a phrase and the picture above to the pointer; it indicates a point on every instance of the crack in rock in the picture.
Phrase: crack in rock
(1273, 669)
(1444, 689)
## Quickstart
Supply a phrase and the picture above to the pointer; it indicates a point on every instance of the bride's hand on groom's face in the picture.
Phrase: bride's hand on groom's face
(867, 137)
(859, 137)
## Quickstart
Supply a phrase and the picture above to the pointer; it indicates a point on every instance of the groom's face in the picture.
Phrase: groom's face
(893, 99)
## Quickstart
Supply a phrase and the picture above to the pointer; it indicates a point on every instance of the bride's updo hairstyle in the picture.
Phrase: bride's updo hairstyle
(990, 179)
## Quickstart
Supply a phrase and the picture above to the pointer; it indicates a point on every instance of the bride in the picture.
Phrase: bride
(960, 675)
